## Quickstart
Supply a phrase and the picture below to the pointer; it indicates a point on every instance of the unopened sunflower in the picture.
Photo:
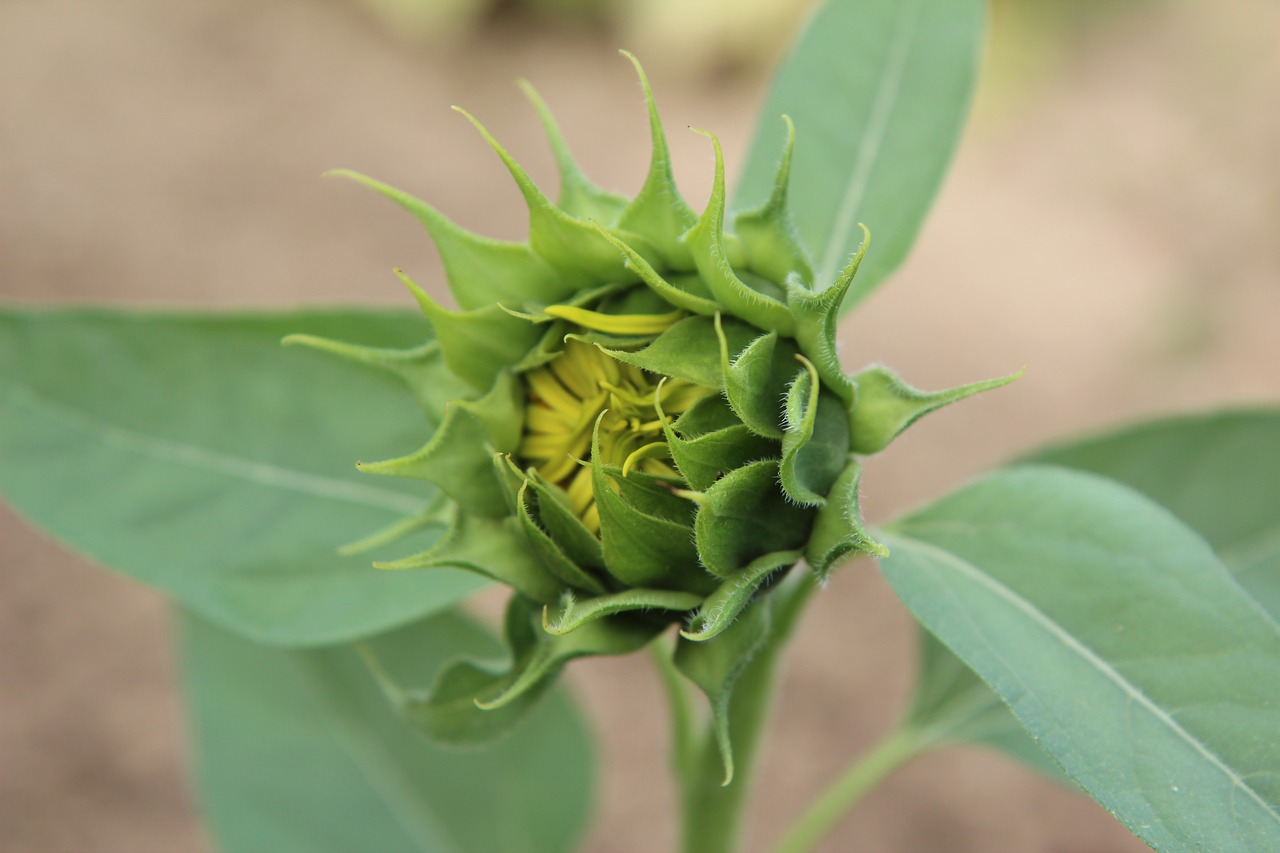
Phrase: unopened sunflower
(641, 420)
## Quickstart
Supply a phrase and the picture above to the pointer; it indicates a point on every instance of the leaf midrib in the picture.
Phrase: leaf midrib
(1242, 558)
(419, 820)
(201, 458)
(869, 146)
(1056, 631)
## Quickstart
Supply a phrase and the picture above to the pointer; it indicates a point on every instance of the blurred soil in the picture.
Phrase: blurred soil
(1111, 222)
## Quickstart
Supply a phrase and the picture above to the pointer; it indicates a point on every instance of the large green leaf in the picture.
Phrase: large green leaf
(952, 705)
(1219, 473)
(198, 455)
(1118, 639)
(299, 750)
(878, 91)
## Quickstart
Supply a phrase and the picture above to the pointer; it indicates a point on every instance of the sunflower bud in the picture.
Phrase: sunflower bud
(642, 421)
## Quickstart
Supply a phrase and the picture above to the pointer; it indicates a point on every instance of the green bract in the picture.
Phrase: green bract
(641, 420)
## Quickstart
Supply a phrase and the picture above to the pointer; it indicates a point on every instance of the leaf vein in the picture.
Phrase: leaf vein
(226, 464)
(1131, 691)
(869, 146)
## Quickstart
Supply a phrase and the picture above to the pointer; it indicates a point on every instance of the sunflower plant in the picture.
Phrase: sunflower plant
(640, 422)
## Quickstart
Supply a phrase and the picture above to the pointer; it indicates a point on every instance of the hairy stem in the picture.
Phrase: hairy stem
(712, 812)
(684, 742)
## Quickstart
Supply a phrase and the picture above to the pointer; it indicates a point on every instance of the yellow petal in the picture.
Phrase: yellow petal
(615, 324)
(656, 448)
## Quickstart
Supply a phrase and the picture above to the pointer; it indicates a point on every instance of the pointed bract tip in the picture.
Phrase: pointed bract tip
(845, 279)
(471, 118)
(708, 134)
(424, 300)
(352, 175)
(534, 98)
(644, 78)
(1001, 381)
(717, 183)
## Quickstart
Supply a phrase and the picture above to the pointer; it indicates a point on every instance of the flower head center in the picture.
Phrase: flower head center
(583, 385)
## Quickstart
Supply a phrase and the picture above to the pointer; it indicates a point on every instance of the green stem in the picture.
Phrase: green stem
(712, 811)
(897, 748)
(683, 741)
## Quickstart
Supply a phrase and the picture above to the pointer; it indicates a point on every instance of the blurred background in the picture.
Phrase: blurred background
(1112, 222)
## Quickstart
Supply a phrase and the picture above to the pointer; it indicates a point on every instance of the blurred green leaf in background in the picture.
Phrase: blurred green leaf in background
(299, 750)
(196, 454)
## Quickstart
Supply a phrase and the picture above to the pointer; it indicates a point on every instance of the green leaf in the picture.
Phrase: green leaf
(706, 458)
(199, 456)
(818, 321)
(756, 381)
(458, 459)
(642, 549)
(568, 531)
(477, 344)
(492, 548)
(1118, 639)
(480, 271)
(715, 266)
(879, 91)
(421, 368)
(541, 658)
(815, 448)
(552, 555)
(548, 348)
(298, 750)
(572, 613)
(838, 530)
(723, 607)
(510, 479)
(682, 290)
(689, 350)
(448, 713)
(570, 245)
(578, 195)
(952, 705)
(715, 666)
(744, 515)
(709, 414)
(658, 212)
(886, 405)
(646, 550)
(1219, 473)
(653, 496)
(768, 239)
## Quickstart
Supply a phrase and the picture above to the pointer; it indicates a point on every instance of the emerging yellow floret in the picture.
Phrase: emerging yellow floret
(581, 386)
